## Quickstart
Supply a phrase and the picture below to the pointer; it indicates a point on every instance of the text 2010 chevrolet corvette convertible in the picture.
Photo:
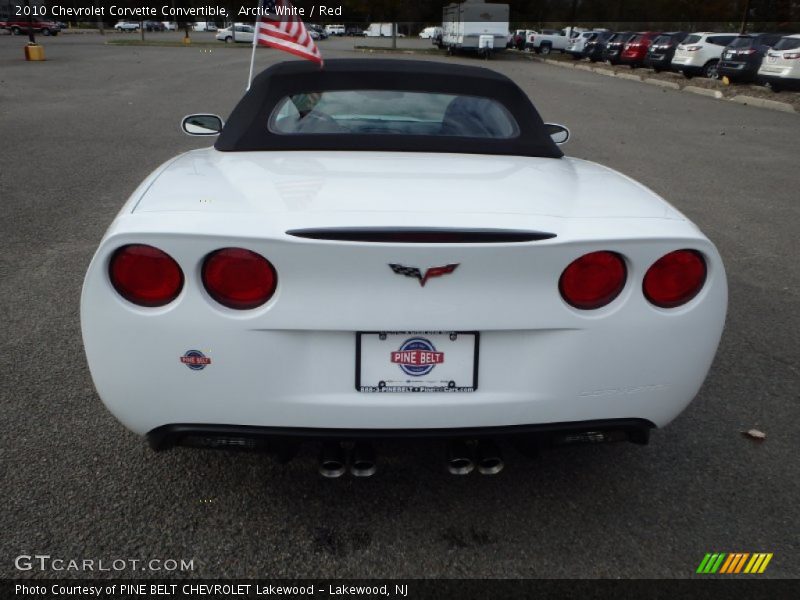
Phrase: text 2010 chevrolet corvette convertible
(396, 248)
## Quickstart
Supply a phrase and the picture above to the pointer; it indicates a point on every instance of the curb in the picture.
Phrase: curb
(558, 63)
(703, 91)
(763, 103)
(692, 89)
(666, 84)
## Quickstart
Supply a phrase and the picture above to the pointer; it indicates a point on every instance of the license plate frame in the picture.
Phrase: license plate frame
(450, 379)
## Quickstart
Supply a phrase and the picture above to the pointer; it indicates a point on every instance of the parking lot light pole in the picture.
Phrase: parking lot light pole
(745, 17)
(33, 51)
(30, 22)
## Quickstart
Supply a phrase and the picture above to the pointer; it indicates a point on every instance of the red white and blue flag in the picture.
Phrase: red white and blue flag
(279, 27)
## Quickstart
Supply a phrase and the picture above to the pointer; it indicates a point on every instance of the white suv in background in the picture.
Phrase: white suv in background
(780, 67)
(699, 53)
(575, 47)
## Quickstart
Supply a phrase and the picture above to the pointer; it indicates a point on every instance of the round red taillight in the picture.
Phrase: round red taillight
(593, 280)
(675, 278)
(145, 275)
(238, 278)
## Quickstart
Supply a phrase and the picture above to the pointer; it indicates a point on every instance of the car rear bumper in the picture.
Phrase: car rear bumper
(688, 64)
(789, 83)
(786, 73)
(632, 59)
(736, 70)
(307, 378)
(688, 69)
(268, 439)
(658, 61)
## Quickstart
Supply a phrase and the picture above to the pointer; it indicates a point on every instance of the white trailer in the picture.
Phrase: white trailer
(475, 26)
(379, 30)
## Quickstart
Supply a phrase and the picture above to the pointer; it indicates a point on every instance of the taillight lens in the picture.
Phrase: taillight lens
(593, 280)
(238, 278)
(145, 275)
(692, 48)
(675, 278)
(789, 55)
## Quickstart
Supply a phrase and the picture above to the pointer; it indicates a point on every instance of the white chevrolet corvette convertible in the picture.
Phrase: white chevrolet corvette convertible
(392, 249)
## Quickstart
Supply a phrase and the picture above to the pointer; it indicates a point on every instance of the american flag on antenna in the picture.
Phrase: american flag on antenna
(278, 27)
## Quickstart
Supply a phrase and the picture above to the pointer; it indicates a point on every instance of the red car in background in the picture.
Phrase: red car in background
(20, 27)
(635, 51)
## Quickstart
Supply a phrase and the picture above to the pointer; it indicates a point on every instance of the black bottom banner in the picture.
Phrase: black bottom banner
(462, 589)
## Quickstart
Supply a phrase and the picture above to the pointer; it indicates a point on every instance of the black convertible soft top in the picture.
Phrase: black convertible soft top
(247, 128)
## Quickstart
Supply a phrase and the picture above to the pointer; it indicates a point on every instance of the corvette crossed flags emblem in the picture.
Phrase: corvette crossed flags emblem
(423, 277)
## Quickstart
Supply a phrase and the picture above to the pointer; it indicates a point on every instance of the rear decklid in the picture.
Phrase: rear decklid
(308, 188)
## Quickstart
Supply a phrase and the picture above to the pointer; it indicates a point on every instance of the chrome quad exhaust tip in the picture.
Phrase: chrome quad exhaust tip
(489, 458)
(332, 461)
(362, 460)
(459, 458)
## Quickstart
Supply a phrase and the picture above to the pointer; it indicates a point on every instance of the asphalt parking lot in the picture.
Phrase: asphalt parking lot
(81, 130)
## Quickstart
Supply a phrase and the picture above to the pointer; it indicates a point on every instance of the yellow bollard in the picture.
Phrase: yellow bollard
(187, 40)
(34, 52)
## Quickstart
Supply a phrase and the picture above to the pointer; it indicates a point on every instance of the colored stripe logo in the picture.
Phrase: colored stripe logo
(734, 563)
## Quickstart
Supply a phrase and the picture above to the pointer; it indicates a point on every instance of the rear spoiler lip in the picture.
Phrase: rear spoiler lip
(421, 235)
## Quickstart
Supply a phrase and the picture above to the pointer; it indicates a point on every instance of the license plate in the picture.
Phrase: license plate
(417, 361)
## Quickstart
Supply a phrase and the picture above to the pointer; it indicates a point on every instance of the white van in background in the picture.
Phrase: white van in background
(334, 29)
(430, 32)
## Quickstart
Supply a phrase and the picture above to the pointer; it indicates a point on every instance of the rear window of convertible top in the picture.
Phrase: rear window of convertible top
(370, 112)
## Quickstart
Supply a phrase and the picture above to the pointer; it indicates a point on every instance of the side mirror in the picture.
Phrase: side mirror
(201, 125)
(558, 133)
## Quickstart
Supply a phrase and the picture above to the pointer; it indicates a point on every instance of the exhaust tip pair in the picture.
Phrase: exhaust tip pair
(333, 460)
(463, 457)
